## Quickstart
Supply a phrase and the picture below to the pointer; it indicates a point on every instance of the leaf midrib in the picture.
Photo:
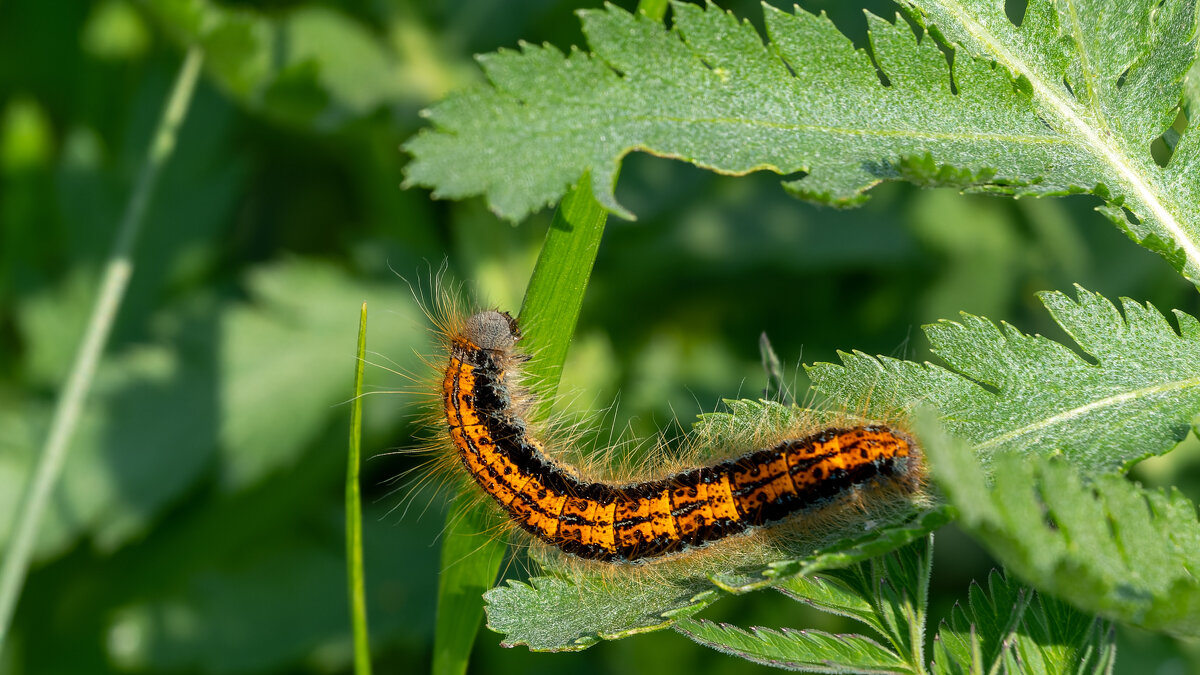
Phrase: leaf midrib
(915, 134)
(1106, 152)
(863, 131)
(1108, 401)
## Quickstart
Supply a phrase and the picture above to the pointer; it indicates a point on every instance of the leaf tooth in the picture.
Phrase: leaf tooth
(633, 44)
(908, 61)
(812, 47)
(1189, 327)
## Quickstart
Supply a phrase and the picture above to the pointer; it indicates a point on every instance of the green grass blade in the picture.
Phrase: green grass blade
(555, 293)
(548, 317)
(471, 559)
(118, 270)
(354, 536)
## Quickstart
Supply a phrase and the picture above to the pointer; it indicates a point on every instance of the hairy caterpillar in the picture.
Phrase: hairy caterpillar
(637, 521)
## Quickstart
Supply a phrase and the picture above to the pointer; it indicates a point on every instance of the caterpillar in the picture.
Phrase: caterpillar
(639, 521)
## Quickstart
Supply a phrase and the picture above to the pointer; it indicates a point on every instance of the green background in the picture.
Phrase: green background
(197, 527)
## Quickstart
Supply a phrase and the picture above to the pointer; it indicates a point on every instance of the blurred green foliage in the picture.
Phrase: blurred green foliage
(197, 527)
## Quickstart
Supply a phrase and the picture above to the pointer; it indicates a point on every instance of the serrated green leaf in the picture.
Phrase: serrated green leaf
(834, 595)
(865, 547)
(974, 637)
(812, 651)
(1061, 639)
(900, 584)
(1062, 104)
(558, 614)
(1009, 624)
(744, 419)
(1011, 393)
(1110, 547)
(888, 593)
(1108, 76)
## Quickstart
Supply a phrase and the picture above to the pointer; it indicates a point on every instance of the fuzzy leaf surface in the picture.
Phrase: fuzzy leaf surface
(812, 651)
(886, 593)
(1108, 76)
(1068, 102)
(1132, 395)
(1108, 547)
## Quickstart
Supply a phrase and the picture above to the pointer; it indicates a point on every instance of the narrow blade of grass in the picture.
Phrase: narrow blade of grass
(118, 269)
(555, 293)
(470, 557)
(354, 536)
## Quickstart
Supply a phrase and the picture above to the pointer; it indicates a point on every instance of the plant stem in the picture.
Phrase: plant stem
(117, 272)
(920, 607)
(354, 537)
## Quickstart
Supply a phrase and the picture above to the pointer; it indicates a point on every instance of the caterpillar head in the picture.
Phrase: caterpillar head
(492, 330)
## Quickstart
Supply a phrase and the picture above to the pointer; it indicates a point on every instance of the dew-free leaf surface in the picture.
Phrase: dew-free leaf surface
(1006, 624)
(1127, 389)
(1108, 547)
(1068, 101)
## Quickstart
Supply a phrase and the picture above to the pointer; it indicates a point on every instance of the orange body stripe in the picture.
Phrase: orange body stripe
(720, 500)
(700, 514)
(603, 532)
(663, 524)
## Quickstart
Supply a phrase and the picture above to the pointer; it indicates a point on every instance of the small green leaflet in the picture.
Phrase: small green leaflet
(807, 650)
(1011, 626)
(1068, 102)
(1134, 395)
(889, 594)
(1007, 628)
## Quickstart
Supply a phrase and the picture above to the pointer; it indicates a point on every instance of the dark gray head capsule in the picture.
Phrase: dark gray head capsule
(492, 330)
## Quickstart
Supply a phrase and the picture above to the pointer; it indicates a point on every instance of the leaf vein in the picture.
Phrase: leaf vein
(864, 131)
(1104, 150)
(1080, 411)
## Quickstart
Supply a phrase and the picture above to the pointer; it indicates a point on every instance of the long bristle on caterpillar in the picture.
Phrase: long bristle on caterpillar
(628, 522)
